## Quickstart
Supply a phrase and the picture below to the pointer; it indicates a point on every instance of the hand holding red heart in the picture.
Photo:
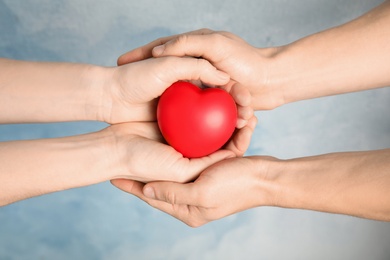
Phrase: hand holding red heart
(132, 91)
(138, 85)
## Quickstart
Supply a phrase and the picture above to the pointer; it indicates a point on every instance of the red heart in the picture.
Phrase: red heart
(194, 121)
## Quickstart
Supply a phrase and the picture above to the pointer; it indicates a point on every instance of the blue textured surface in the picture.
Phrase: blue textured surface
(101, 222)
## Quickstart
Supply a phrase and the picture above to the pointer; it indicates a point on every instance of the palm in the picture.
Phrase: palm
(149, 159)
(136, 97)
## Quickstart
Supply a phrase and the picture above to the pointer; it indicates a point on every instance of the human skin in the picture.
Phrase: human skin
(347, 58)
(351, 183)
(350, 57)
(52, 92)
(134, 151)
(87, 92)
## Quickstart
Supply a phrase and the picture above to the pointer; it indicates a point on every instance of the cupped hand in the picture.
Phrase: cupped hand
(244, 63)
(161, 162)
(142, 155)
(132, 90)
(225, 188)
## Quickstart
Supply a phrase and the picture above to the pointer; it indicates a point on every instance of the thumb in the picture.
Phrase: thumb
(171, 192)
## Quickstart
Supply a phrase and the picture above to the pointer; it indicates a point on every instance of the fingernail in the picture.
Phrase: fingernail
(149, 192)
(158, 50)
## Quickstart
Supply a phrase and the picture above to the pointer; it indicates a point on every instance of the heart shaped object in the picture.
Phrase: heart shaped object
(194, 121)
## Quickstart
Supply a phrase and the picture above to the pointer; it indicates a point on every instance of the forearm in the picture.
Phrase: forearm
(36, 167)
(50, 92)
(353, 183)
(351, 57)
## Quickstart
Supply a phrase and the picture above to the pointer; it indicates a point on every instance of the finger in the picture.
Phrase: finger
(207, 46)
(195, 166)
(241, 139)
(129, 186)
(145, 52)
(241, 123)
(182, 211)
(192, 69)
(172, 193)
(141, 53)
(252, 123)
(136, 188)
(244, 114)
(243, 99)
(241, 95)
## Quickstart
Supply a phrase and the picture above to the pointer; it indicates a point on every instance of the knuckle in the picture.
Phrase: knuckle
(181, 40)
(170, 197)
(205, 31)
(203, 68)
(202, 63)
(161, 40)
(218, 38)
(166, 69)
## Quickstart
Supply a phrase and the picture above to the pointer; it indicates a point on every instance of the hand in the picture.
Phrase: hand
(223, 189)
(112, 95)
(132, 90)
(129, 150)
(143, 156)
(245, 64)
(351, 183)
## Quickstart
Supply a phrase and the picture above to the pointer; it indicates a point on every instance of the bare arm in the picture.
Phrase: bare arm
(46, 92)
(129, 150)
(351, 57)
(352, 183)
(36, 167)
(50, 92)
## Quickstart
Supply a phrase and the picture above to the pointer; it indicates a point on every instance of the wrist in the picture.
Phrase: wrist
(107, 151)
(116, 101)
(268, 93)
(296, 184)
(94, 156)
(267, 170)
(288, 74)
(55, 164)
(120, 149)
(98, 82)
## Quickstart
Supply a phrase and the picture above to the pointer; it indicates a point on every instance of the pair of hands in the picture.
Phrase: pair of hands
(206, 198)
(133, 100)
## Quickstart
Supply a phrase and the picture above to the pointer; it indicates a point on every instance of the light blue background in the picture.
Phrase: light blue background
(101, 222)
